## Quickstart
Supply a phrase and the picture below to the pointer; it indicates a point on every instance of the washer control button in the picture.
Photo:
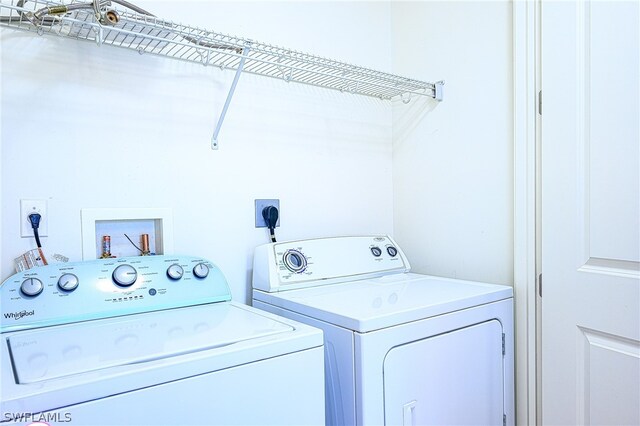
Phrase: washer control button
(376, 251)
(175, 272)
(125, 275)
(201, 270)
(31, 287)
(68, 282)
(392, 251)
(295, 261)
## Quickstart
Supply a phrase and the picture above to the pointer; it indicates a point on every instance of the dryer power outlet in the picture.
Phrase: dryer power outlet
(33, 206)
(261, 205)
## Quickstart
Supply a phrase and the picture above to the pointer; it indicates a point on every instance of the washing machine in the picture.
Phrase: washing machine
(151, 340)
(400, 348)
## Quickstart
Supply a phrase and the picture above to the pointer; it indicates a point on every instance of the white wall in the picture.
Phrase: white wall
(453, 162)
(87, 127)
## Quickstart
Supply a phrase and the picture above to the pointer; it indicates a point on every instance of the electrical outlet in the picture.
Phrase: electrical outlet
(33, 206)
(260, 205)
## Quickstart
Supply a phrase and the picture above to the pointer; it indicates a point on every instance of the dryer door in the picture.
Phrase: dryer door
(455, 378)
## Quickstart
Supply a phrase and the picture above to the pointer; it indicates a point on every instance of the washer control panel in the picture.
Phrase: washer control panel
(306, 263)
(70, 292)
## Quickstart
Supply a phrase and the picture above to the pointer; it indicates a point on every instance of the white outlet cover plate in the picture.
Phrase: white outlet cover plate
(261, 204)
(33, 206)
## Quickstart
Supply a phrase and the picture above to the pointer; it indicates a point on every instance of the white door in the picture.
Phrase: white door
(590, 212)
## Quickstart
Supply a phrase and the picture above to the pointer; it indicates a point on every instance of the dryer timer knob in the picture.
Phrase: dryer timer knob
(295, 261)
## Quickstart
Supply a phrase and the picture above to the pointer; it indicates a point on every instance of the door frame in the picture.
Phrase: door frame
(526, 229)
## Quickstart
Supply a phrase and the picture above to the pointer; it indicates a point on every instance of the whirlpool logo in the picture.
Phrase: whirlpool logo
(19, 315)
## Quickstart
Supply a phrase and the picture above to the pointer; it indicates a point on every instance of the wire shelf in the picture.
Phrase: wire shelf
(148, 34)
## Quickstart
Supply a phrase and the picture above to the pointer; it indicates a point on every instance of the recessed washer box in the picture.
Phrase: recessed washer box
(119, 223)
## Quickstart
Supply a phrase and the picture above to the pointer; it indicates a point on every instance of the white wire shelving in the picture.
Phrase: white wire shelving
(149, 34)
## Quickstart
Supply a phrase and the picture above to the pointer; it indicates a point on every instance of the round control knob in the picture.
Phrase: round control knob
(68, 282)
(376, 251)
(295, 261)
(201, 270)
(31, 287)
(392, 251)
(125, 275)
(175, 272)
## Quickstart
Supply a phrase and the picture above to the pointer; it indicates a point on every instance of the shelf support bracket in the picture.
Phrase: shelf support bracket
(439, 90)
(216, 132)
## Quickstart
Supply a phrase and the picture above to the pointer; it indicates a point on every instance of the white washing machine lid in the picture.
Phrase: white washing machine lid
(46, 354)
(83, 361)
(373, 304)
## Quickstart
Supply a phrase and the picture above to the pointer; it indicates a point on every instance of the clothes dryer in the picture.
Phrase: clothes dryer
(400, 348)
(150, 341)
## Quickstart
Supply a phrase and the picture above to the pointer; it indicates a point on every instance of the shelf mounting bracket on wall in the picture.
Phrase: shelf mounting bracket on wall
(438, 89)
(232, 89)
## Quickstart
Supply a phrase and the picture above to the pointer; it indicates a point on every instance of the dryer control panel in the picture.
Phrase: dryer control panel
(307, 263)
(79, 291)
